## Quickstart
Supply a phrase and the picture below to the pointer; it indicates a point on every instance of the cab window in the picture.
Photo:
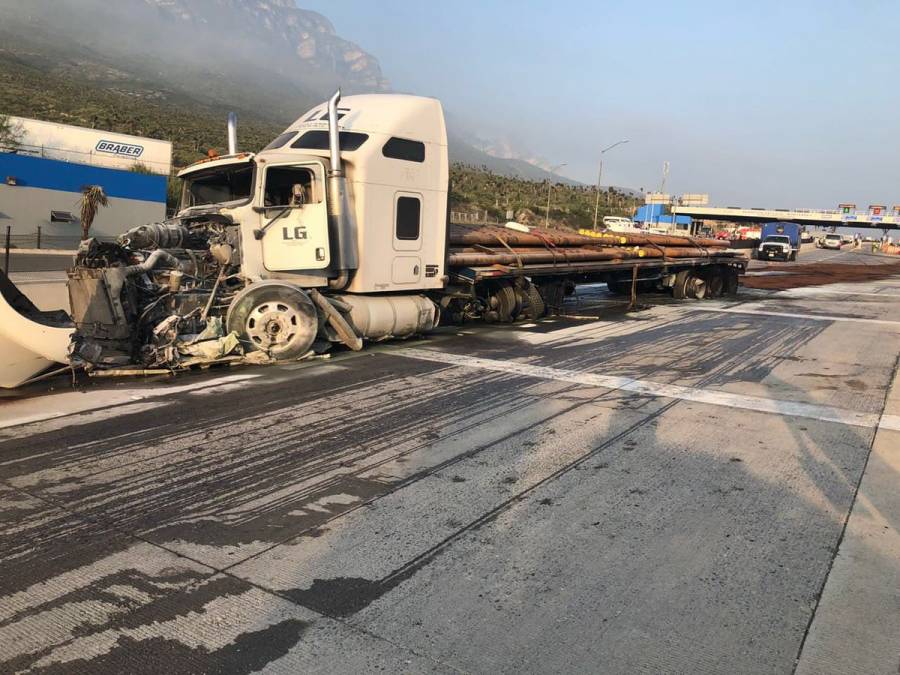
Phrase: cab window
(290, 186)
(409, 218)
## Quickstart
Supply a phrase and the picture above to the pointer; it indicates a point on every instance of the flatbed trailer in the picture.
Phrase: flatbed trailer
(594, 272)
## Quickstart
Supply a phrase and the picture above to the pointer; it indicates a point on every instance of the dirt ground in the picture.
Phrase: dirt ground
(818, 274)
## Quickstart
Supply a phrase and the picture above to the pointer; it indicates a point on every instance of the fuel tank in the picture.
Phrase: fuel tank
(379, 317)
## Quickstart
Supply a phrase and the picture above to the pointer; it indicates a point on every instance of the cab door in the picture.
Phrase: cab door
(294, 218)
(407, 238)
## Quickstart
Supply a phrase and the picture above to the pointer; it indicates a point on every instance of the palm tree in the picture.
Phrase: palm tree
(92, 198)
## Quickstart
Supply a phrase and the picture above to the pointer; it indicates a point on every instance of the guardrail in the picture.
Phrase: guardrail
(476, 218)
(38, 240)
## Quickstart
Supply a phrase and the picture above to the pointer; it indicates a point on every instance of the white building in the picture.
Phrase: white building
(42, 177)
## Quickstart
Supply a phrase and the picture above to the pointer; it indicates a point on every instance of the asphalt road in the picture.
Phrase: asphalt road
(663, 491)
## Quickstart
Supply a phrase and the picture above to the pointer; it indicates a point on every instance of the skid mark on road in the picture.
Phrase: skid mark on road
(26, 411)
(695, 394)
(757, 310)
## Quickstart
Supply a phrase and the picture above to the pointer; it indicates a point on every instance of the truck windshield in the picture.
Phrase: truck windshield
(218, 185)
(778, 239)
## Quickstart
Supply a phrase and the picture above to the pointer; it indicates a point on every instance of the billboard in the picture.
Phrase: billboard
(694, 199)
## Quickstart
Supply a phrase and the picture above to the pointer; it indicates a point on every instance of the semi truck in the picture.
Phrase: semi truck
(779, 241)
(337, 232)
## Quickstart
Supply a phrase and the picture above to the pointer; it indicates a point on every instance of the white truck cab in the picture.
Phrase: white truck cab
(389, 234)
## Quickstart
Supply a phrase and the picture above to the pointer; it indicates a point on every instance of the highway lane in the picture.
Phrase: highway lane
(664, 490)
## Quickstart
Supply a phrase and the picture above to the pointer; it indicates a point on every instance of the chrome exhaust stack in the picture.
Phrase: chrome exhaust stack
(341, 221)
(232, 133)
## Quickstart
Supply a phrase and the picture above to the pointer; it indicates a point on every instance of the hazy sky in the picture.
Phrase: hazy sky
(778, 104)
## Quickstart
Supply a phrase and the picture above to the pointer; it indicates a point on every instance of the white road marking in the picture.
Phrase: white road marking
(707, 396)
(830, 290)
(39, 409)
(754, 309)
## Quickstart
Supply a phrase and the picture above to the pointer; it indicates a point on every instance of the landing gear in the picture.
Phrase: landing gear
(274, 317)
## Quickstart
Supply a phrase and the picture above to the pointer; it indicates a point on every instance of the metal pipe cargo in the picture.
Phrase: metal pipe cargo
(469, 257)
(532, 257)
(684, 252)
(490, 235)
(633, 239)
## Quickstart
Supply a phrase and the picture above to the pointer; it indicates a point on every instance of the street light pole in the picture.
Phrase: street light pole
(600, 175)
(549, 183)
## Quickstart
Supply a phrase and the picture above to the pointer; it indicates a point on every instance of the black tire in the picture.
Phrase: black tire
(729, 282)
(553, 296)
(274, 317)
(679, 288)
(508, 305)
(715, 283)
(536, 307)
(619, 287)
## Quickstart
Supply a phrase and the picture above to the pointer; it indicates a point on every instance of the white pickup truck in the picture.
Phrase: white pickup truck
(776, 246)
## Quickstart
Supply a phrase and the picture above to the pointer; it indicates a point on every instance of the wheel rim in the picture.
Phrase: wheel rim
(696, 288)
(272, 324)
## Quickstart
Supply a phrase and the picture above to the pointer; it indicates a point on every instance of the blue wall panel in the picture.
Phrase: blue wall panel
(52, 174)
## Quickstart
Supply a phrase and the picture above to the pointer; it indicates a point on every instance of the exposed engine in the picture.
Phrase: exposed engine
(158, 296)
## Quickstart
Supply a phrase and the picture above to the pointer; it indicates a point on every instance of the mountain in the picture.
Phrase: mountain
(463, 151)
(228, 37)
(125, 65)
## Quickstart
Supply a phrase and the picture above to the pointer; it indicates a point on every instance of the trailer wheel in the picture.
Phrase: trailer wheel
(729, 281)
(274, 317)
(679, 287)
(508, 305)
(715, 283)
(618, 287)
(688, 284)
(536, 307)
(553, 296)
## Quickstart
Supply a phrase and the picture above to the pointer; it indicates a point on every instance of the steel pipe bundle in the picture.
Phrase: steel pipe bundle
(472, 246)
(491, 235)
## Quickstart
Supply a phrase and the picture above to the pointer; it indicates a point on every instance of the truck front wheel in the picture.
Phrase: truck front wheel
(274, 317)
